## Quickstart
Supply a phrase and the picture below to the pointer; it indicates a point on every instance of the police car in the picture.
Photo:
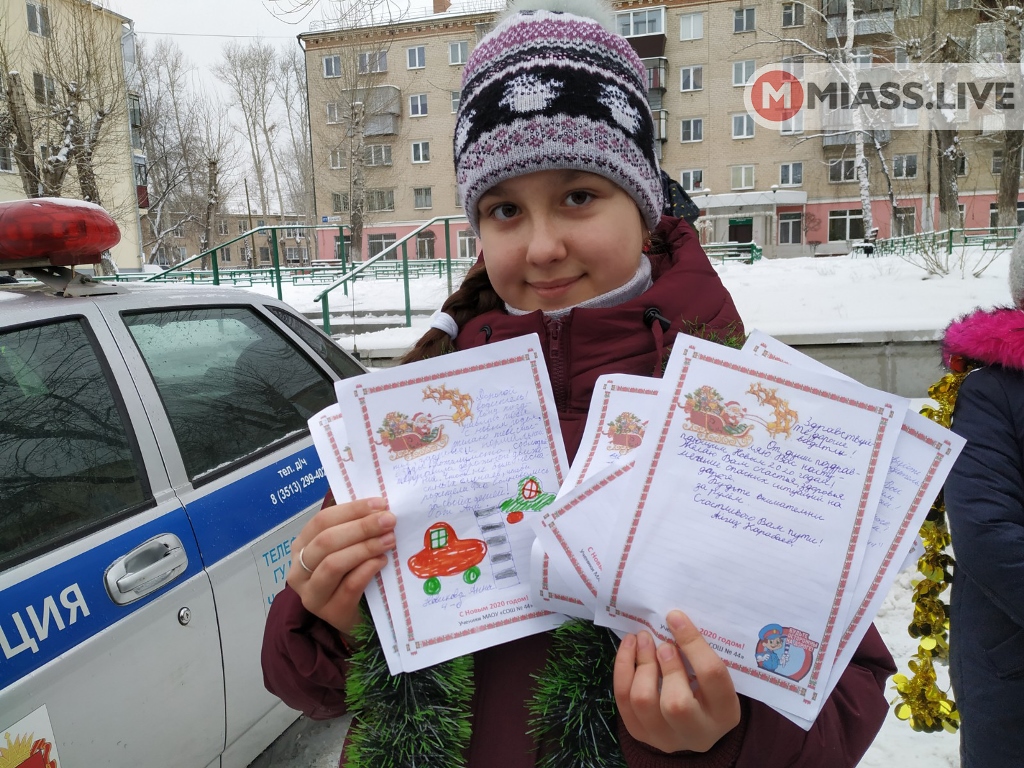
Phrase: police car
(155, 466)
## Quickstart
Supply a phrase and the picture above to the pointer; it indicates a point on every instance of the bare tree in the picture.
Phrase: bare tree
(250, 71)
(297, 160)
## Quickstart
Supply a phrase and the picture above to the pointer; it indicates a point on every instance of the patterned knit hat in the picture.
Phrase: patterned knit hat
(549, 90)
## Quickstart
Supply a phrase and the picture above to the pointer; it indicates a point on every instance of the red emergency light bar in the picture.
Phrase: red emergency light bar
(54, 232)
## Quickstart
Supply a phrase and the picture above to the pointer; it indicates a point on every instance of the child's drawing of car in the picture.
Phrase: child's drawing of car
(445, 554)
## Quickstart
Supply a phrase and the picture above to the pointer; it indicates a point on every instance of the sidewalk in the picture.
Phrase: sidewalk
(306, 744)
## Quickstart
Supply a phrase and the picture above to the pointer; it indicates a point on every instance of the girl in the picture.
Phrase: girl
(555, 161)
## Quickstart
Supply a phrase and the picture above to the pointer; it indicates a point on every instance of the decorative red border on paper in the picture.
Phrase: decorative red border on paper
(360, 392)
(691, 355)
(544, 588)
(325, 423)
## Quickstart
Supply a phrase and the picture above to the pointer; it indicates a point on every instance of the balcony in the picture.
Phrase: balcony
(875, 23)
(657, 73)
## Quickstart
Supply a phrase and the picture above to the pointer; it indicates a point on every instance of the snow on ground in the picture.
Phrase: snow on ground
(784, 297)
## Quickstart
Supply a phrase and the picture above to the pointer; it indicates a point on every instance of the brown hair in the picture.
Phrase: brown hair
(474, 297)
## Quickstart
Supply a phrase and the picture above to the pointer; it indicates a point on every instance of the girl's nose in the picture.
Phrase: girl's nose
(547, 242)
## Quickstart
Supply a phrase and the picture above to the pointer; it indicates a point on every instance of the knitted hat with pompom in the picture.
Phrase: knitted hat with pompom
(552, 88)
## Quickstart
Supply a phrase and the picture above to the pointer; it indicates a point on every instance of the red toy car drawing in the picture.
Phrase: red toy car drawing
(445, 554)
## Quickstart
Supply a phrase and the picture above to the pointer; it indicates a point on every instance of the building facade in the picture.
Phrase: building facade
(383, 100)
(66, 62)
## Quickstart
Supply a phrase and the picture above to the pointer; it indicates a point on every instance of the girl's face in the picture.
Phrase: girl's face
(552, 239)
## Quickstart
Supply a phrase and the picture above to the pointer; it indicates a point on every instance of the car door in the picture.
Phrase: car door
(109, 648)
(237, 391)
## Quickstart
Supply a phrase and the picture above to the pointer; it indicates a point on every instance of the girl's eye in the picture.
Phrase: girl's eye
(579, 197)
(504, 212)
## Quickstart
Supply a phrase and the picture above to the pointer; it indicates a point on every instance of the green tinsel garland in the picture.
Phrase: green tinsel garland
(573, 710)
(411, 720)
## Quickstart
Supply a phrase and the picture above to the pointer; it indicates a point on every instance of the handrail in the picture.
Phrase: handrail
(348, 276)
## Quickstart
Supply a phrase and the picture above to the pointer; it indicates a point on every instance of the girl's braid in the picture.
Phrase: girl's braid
(474, 297)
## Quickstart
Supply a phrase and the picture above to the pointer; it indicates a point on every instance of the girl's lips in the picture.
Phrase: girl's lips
(554, 288)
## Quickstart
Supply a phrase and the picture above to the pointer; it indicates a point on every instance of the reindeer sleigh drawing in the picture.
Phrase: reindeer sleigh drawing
(408, 437)
(729, 423)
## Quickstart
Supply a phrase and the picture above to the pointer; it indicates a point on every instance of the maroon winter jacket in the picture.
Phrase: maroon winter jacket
(304, 661)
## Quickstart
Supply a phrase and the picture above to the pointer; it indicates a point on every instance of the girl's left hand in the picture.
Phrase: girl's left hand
(656, 700)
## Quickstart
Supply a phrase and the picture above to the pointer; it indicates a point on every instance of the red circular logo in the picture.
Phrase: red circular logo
(531, 489)
(776, 95)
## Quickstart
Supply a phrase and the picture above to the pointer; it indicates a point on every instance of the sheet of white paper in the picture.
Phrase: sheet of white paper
(616, 423)
(328, 431)
(464, 447)
(549, 590)
(780, 475)
(574, 530)
(924, 455)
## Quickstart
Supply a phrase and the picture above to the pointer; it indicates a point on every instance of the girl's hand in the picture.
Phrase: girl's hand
(343, 547)
(656, 700)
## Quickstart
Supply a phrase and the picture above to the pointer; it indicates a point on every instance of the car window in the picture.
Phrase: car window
(67, 462)
(340, 362)
(231, 384)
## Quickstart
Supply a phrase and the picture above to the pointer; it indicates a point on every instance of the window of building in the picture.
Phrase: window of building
(38, 19)
(336, 159)
(842, 169)
(333, 112)
(264, 254)
(134, 119)
(261, 223)
(421, 151)
(141, 172)
(742, 126)
(6, 159)
(997, 161)
(425, 245)
(418, 105)
(742, 176)
(633, 23)
(691, 78)
(458, 52)
(692, 129)
(692, 180)
(904, 166)
(241, 226)
(742, 71)
(904, 115)
(44, 88)
(456, 98)
(296, 254)
(182, 253)
(178, 230)
(467, 244)
(845, 225)
(903, 221)
(422, 197)
(458, 197)
(792, 14)
(377, 154)
(291, 231)
(993, 215)
(373, 61)
(794, 65)
(961, 165)
(380, 200)
(222, 227)
(792, 125)
(791, 174)
(790, 227)
(332, 66)
(900, 59)
(908, 8)
(339, 201)
(225, 253)
(958, 5)
(743, 20)
(377, 244)
(691, 26)
(417, 57)
(862, 58)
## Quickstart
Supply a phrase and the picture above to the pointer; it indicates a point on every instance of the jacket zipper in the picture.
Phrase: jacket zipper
(557, 364)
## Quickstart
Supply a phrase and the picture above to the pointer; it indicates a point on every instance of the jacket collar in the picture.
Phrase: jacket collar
(988, 337)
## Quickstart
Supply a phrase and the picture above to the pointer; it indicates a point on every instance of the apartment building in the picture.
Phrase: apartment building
(383, 98)
(66, 57)
(295, 240)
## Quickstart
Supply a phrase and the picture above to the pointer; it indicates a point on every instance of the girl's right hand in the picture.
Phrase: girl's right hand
(343, 547)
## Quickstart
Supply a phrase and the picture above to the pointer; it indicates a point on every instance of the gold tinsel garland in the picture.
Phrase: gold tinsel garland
(920, 701)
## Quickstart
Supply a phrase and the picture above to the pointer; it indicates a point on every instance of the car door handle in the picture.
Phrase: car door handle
(145, 569)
